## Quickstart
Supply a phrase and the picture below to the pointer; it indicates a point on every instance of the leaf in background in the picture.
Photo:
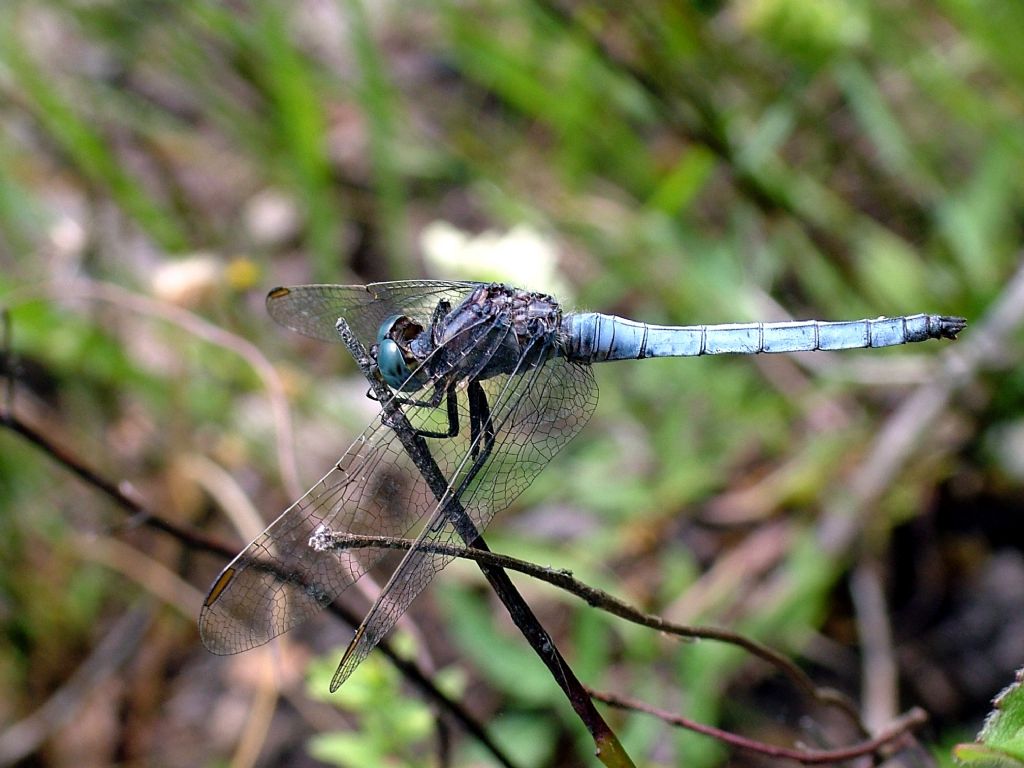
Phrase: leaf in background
(1001, 740)
(392, 727)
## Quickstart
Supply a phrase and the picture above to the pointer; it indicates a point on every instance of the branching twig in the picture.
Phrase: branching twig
(899, 728)
(600, 599)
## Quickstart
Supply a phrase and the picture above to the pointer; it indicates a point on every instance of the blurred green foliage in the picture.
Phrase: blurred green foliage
(391, 729)
(690, 162)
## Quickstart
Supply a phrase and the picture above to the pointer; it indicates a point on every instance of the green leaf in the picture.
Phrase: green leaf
(1001, 741)
(391, 727)
(978, 754)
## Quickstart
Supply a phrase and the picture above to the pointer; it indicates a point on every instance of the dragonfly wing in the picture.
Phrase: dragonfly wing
(313, 310)
(534, 414)
(280, 579)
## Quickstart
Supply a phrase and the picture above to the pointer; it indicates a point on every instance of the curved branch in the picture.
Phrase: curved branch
(326, 539)
(898, 729)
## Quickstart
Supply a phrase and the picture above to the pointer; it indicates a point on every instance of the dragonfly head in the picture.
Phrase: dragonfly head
(396, 363)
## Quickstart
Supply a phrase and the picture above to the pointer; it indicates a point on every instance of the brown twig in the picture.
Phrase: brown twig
(119, 493)
(602, 600)
(880, 686)
(899, 728)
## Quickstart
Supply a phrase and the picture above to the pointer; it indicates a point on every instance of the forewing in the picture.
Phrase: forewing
(313, 310)
(280, 580)
(535, 414)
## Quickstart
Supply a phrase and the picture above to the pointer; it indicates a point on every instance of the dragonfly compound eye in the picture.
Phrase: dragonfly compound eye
(384, 332)
(393, 367)
(391, 358)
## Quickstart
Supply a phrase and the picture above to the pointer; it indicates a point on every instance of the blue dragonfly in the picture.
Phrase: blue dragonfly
(494, 380)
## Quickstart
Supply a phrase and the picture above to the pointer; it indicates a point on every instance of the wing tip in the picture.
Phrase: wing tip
(345, 669)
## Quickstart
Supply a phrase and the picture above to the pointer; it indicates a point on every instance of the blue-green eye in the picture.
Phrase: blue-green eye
(384, 332)
(393, 367)
(391, 361)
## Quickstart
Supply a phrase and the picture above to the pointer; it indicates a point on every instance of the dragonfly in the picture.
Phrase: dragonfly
(494, 380)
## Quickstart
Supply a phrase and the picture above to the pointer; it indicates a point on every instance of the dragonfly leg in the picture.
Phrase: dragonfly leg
(433, 402)
(453, 417)
(452, 407)
(479, 419)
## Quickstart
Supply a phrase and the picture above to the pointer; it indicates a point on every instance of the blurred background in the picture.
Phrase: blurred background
(163, 164)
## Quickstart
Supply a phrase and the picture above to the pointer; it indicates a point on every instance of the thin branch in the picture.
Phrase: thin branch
(119, 493)
(600, 599)
(880, 686)
(898, 729)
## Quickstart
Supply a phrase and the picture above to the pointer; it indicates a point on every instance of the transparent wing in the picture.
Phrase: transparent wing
(375, 488)
(280, 579)
(535, 413)
(313, 310)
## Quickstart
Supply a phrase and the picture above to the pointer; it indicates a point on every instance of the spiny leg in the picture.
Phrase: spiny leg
(479, 418)
(452, 405)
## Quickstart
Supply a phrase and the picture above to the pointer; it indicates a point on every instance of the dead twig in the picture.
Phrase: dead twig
(602, 600)
(898, 729)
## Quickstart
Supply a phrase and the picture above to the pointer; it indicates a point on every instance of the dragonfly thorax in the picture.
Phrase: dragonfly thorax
(495, 330)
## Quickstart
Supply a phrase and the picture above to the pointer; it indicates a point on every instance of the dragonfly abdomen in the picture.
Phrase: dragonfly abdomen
(593, 337)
